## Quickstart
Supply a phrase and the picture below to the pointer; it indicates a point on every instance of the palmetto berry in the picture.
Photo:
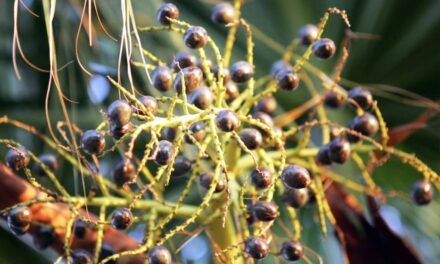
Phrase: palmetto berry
(81, 256)
(43, 238)
(333, 100)
(119, 113)
(80, 229)
(339, 150)
(227, 120)
(117, 132)
(198, 132)
(122, 219)
(208, 63)
(150, 105)
(166, 11)
(17, 158)
(241, 72)
(202, 97)
(232, 91)
(47, 159)
(361, 96)
(295, 176)
(181, 166)
(296, 198)
(323, 156)
(164, 153)
(265, 211)
(251, 138)
(223, 13)
(279, 66)
(307, 34)
(159, 255)
(265, 119)
(365, 124)
(169, 133)
(183, 60)
(422, 192)
(195, 37)
(256, 248)
(162, 78)
(287, 80)
(261, 178)
(19, 219)
(123, 172)
(267, 104)
(292, 250)
(92, 142)
(324, 48)
(226, 74)
(206, 180)
(193, 77)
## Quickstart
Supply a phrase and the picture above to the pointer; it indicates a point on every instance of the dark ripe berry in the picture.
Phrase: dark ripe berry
(361, 96)
(422, 192)
(265, 211)
(195, 37)
(80, 229)
(261, 178)
(81, 256)
(323, 156)
(324, 48)
(202, 97)
(365, 124)
(169, 133)
(47, 159)
(193, 77)
(119, 113)
(107, 251)
(150, 105)
(251, 138)
(19, 219)
(227, 120)
(182, 165)
(164, 153)
(117, 132)
(162, 78)
(333, 100)
(339, 150)
(265, 119)
(206, 180)
(123, 172)
(296, 198)
(17, 159)
(307, 34)
(159, 255)
(232, 91)
(256, 248)
(267, 104)
(183, 60)
(92, 142)
(166, 11)
(122, 219)
(295, 176)
(241, 72)
(279, 66)
(226, 74)
(292, 250)
(197, 131)
(287, 80)
(223, 13)
(44, 238)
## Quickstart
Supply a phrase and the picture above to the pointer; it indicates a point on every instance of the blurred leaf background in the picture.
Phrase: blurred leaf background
(404, 53)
